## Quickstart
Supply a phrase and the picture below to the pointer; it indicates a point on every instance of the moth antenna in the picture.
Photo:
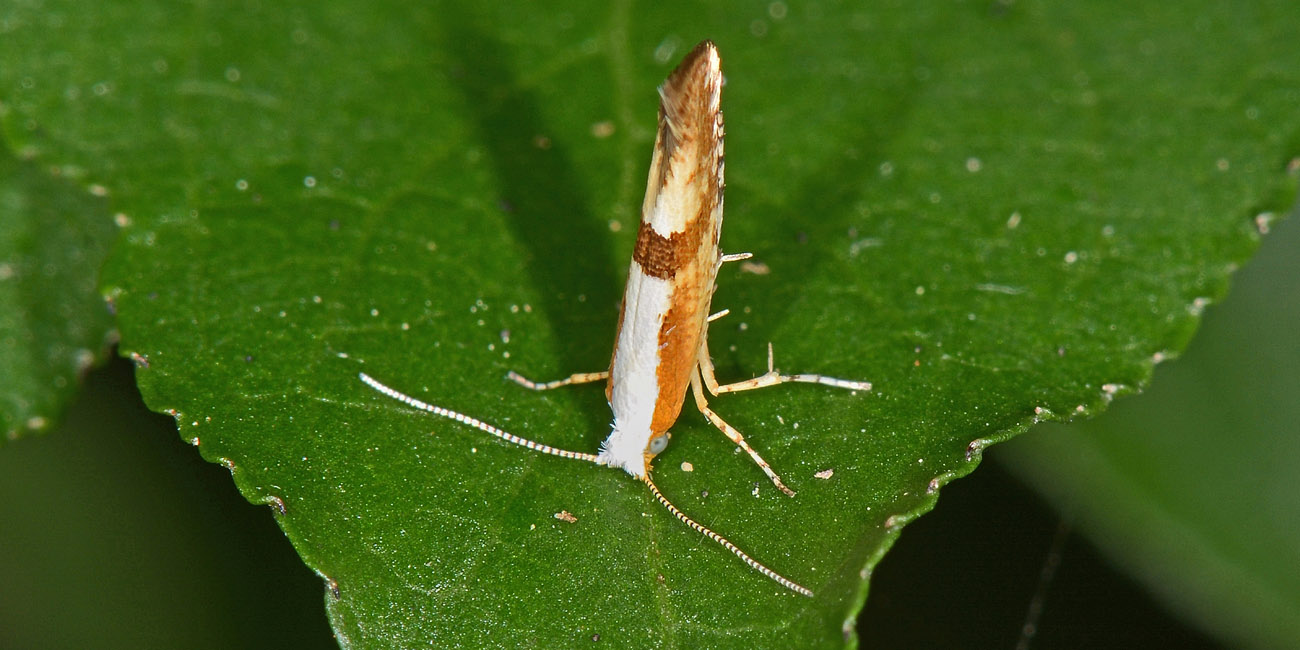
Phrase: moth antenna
(578, 455)
(700, 528)
(474, 422)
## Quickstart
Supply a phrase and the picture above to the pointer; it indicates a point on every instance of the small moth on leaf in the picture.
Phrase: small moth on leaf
(662, 341)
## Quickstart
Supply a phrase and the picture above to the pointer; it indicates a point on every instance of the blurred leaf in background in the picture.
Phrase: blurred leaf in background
(54, 237)
(1191, 487)
(1222, 418)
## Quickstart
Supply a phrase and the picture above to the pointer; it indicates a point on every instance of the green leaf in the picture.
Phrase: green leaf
(53, 323)
(1190, 486)
(998, 214)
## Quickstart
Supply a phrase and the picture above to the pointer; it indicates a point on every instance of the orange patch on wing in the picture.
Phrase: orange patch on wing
(683, 325)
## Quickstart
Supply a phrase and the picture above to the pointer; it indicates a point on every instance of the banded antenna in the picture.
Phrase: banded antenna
(591, 458)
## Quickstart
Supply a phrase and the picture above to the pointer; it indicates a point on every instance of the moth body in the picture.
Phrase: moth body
(674, 264)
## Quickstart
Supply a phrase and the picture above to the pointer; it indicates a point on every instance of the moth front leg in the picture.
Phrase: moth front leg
(575, 378)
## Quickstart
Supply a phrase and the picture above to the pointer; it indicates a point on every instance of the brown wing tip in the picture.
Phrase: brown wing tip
(701, 61)
(705, 49)
(692, 93)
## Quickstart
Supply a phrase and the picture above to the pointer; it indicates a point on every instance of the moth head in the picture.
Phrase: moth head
(658, 443)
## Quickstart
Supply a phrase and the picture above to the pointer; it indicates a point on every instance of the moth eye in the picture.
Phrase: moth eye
(657, 444)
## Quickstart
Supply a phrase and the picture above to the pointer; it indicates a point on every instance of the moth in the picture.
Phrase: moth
(661, 349)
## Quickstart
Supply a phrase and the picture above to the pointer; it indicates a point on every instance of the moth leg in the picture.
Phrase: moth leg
(575, 378)
(731, 433)
(734, 257)
(769, 378)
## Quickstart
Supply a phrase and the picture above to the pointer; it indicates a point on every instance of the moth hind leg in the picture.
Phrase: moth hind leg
(575, 378)
(769, 378)
(734, 435)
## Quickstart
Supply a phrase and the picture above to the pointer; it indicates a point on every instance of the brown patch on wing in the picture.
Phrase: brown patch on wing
(664, 257)
(657, 255)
